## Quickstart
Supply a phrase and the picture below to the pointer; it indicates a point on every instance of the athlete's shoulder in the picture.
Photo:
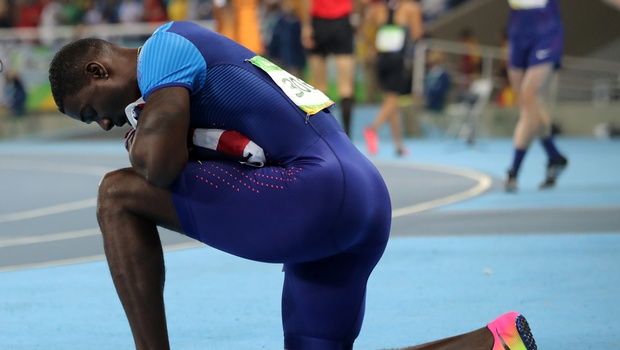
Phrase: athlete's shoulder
(170, 58)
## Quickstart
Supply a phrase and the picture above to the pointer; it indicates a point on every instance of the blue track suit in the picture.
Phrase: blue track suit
(319, 206)
(535, 33)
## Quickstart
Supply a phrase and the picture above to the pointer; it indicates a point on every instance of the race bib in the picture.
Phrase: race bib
(527, 4)
(390, 38)
(305, 96)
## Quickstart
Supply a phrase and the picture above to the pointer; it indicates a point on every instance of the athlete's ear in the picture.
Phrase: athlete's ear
(96, 70)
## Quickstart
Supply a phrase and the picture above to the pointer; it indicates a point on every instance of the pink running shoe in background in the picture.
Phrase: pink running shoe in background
(372, 141)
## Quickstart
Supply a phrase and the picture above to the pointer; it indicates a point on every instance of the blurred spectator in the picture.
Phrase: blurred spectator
(130, 11)
(109, 10)
(51, 14)
(92, 13)
(6, 14)
(437, 83)
(285, 45)
(51, 17)
(28, 13)
(177, 10)
(72, 12)
(201, 10)
(469, 63)
(239, 20)
(154, 11)
(16, 94)
(270, 13)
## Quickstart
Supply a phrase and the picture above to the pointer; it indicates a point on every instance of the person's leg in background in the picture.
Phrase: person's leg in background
(345, 66)
(389, 112)
(534, 120)
(318, 70)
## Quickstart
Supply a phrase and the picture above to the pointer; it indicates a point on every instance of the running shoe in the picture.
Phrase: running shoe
(511, 332)
(510, 183)
(372, 140)
(554, 169)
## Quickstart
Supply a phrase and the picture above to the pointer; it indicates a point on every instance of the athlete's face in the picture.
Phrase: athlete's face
(100, 102)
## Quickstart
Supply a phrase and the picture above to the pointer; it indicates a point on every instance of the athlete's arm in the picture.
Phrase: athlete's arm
(159, 150)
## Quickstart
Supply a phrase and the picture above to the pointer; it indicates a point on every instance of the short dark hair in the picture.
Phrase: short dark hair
(66, 72)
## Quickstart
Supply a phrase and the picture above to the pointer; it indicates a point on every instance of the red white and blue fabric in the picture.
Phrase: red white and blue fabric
(209, 143)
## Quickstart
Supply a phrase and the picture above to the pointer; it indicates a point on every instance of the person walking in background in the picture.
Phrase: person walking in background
(327, 30)
(399, 24)
(535, 37)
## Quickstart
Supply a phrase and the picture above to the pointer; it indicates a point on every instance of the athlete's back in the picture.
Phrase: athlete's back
(218, 72)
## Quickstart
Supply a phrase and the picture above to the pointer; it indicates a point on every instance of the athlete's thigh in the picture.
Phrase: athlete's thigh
(271, 214)
(323, 302)
(124, 187)
(536, 78)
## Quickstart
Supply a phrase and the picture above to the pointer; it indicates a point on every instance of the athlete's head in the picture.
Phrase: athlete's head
(93, 80)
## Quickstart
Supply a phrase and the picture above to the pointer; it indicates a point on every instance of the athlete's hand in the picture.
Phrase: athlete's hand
(129, 138)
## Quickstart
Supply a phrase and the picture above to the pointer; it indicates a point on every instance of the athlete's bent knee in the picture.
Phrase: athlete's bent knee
(115, 188)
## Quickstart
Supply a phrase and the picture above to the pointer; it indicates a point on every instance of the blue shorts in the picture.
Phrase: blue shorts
(325, 215)
(530, 50)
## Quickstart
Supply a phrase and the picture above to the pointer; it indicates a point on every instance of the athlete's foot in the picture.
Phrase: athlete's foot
(510, 183)
(512, 332)
(372, 140)
(554, 169)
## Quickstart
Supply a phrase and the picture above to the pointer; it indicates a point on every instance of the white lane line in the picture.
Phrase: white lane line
(52, 167)
(51, 210)
(90, 258)
(484, 182)
(58, 168)
(11, 242)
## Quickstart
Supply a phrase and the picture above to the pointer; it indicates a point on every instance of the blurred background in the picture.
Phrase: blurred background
(466, 38)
